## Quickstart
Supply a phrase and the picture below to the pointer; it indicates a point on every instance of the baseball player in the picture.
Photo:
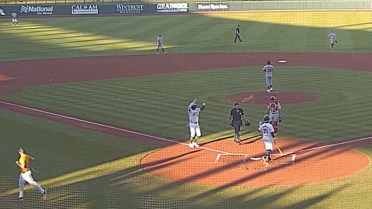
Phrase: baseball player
(195, 131)
(332, 38)
(159, 43)
(268, 69)
(268, 135)
(14, 18)
(25, 174)
(235, 120)
(237, 35)
(273, 111)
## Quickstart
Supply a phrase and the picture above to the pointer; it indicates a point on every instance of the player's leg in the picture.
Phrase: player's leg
(21, 186)
(237, 125)
(197, 135)
(274, 120)
(268, 148)
(240, 39)
(192, 136)
(28, 178)
(267, 79)
(270, 81)
(164, 52)
(157, 50)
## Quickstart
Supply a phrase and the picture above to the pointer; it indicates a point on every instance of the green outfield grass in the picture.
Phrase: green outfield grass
(261, 31)
(83, 169)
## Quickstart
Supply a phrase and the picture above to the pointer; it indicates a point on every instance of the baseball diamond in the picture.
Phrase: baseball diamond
(203, 161)
(103, 115)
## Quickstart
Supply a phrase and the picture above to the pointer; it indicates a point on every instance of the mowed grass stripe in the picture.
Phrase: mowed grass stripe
(79, 40)
(157, 104)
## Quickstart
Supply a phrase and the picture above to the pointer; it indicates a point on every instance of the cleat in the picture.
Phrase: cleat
(44, 195)
(191, 145)
(195, 144)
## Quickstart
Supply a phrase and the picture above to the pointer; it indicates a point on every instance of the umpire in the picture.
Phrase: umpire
(236, 115)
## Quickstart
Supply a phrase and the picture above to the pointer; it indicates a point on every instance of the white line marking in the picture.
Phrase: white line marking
(332, 145)
(106, 126)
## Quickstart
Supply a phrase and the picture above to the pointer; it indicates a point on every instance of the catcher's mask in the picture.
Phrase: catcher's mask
(272, 98)
(266, 119)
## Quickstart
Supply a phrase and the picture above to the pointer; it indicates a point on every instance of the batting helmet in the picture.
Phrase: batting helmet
(266, 119)
(272, 98)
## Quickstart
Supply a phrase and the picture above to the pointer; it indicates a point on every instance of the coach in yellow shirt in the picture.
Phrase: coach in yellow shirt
(25, 174)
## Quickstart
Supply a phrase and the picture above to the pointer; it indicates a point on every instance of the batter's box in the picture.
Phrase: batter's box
(231, 157)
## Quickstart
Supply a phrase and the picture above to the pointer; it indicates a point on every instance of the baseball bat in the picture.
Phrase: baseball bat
(280, 151)
(277, 146)
(36, 171)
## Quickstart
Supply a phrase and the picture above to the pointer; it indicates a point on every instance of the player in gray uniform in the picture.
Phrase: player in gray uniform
(14, 18)
(332, 38)
(195, 132)
(268, 135)
(268, 69)
(159, 43)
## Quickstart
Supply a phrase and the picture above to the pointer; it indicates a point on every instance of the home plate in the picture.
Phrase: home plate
(282, 61)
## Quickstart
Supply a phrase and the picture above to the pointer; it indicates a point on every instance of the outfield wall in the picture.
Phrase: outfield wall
(163, 8)
(281, 5)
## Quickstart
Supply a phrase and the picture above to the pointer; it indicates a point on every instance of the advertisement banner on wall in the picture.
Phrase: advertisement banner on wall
(172, 7)
(130, 8)
(213, 6)
(86, 9)
(36, 10)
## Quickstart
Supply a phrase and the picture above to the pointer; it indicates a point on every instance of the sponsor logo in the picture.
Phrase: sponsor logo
(213, 6)
(39, 10)
(89, 9)
(172, 7)
(2, 13)
(129, 8)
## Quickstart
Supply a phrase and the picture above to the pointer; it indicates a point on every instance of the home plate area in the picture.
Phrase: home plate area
(223, 162)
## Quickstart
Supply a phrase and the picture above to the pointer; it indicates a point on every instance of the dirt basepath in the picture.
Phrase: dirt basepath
(14, 76)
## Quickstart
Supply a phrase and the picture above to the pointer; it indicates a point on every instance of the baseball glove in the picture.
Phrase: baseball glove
(247, 123)
(280, 118)
(336, 41)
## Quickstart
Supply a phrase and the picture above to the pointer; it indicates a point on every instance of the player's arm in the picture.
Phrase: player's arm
(18, 164)
(202, 107)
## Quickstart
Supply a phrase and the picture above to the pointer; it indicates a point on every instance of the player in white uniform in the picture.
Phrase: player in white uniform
(332, 38)
(195, 131)
(268, 69)
(268, 135)
(274, 113)
(159, 43)
(14, 18)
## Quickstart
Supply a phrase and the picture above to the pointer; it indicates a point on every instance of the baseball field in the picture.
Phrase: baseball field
(105, 116)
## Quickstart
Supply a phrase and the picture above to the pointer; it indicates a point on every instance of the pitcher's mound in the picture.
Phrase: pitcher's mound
(284, 97)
